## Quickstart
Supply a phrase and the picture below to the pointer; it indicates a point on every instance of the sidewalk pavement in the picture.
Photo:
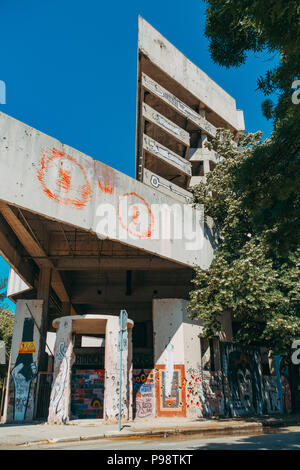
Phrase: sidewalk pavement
(14, 435)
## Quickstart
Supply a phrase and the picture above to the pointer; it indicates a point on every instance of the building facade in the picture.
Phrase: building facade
(85, 241)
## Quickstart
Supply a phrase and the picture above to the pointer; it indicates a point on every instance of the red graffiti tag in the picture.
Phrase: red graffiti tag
(134, 217)
(55, 176)
(106, 178)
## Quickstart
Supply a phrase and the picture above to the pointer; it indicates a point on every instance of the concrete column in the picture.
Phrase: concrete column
(112, 374)
(43, 292)
(176, 349)
(60, 399)
(24, 360)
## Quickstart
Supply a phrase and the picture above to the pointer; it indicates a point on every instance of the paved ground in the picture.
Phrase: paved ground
(277, 439)
(14, 435)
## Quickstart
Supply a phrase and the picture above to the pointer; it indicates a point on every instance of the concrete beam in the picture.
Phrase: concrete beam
(35, 250)
(44, 176)
(166, 155)
(201, 154)
(168, 126)
(110, 263)
(117, 294)
(11, 254)
(166, 187)
(178, 105)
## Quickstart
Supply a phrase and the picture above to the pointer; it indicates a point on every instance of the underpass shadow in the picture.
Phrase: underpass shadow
(282, 440)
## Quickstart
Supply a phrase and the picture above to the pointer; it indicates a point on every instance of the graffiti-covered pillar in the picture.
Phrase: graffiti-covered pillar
(60, 398)
(112, 373)
(177, 358)
(24, 362)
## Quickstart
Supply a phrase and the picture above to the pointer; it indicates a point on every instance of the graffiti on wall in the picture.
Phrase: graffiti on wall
(135, 215)
(87, 394)
(212, 403)
(24, 372)
(143, 393)
(283, 384)
(66, 181)
(242, 379)
(174, 403)
(204, 393)
(56, 175)
(271, 396)
(60, 392)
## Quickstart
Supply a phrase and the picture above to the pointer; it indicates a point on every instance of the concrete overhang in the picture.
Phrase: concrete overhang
(88, 324)
(48, 178)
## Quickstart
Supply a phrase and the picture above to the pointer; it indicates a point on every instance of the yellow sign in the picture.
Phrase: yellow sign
(27, 347)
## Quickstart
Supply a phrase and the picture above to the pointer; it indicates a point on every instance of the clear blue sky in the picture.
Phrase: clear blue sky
(70, 69)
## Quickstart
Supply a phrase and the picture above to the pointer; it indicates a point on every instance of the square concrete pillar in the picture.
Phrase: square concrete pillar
(24, 362)
(177, 352)
(112, 374)
(60, 398)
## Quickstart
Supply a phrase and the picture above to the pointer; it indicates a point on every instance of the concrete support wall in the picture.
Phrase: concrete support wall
(24, 362)
(112, 374)
(177, 357)
(60, 399)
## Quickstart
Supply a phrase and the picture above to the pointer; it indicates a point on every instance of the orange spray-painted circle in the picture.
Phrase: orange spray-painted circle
(136, 203)
(62, 188)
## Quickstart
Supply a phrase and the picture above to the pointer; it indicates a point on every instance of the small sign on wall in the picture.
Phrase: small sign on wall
(27, 347)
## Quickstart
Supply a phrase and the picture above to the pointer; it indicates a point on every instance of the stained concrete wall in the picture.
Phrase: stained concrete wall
(112, 374)
(177, 342)
(40, 174)
(60, 399)
(24, 361)
(172, 325)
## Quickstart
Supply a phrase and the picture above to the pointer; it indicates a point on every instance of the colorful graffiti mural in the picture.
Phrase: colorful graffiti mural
(24, 372)
(271, 402)
(87, 394)
(283, 384)
(143, 384)
(173, 404)
(242, 379)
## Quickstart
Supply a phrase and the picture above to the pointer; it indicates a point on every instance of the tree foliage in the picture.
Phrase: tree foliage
(247, 277)
(269, 181)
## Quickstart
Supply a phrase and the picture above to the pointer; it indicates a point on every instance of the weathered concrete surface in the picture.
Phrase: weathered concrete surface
(177, 342)
(163, 54)
(42, 175)
(112, 374)
(60, 399)
(168, 126)
(24, 361)
(166, 187)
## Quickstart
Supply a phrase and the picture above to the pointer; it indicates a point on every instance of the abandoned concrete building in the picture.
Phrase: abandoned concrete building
(84, 242)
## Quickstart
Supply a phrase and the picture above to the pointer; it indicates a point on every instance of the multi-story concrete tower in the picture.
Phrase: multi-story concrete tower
(179, 108)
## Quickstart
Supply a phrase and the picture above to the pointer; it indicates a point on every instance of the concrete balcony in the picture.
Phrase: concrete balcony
(167, 156)
(203, 154)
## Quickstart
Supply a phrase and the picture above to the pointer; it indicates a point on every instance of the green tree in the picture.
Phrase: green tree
(248, 278)
(269, 181)
(6, 320)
